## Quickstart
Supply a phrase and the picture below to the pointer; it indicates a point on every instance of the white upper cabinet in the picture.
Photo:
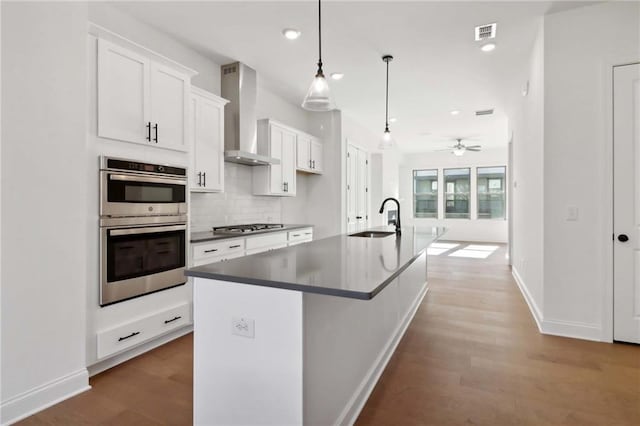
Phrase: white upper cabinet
(207, 134)
(141, 100)
(123, 94)
(309, 154)
(169, 106)
(277, 141)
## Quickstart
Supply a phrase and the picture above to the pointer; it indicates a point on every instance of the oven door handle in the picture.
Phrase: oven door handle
(147, 230)
(129, 178)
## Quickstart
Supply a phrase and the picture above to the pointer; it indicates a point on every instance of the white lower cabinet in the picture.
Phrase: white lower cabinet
(300, 236)
(217, 251)
(141, 329)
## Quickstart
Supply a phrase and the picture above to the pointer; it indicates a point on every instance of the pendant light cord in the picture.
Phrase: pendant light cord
(320, 73)
(386, 110)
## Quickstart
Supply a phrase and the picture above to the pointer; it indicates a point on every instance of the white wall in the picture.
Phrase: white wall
(43, 165)
(473, 229)
(577, 156)
(325, 193)
(526, 123)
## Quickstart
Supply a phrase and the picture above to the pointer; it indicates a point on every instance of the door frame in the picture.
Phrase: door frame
(607, 226)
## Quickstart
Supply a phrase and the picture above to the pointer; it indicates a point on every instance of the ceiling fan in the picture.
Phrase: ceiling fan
(459, 148)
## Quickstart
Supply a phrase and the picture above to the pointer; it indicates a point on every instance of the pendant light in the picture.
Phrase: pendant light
(319, 97)
(387, 140)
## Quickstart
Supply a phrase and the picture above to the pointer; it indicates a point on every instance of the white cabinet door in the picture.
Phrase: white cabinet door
(169, 100)
(276, 139)
(316, 155)
(207, 132)
(289, 163)
(123, 94)
(303, 154)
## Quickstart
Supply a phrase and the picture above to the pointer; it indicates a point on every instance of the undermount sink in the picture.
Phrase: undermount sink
(372, 234)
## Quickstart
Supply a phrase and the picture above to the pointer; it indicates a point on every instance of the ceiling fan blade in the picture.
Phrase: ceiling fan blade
(445, 149)
(474, 146)
(474, 149)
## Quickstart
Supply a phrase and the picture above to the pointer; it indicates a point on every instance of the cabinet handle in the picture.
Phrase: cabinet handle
(204, 179)
(149, 131)
(307, 233)
(155, 127)
(199, 178)
(310, 164)
(172, 320)
(210, 251)
(236, 246)
(314, 164)
(295, 235)
(135, 333)
(358, 217)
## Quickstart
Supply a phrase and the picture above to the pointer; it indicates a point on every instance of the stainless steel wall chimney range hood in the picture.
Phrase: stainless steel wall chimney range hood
(239, 86)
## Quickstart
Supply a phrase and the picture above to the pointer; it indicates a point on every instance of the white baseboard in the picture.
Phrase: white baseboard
(536, 312)
(43, 396)
(576, 330)
(353, 408)
(108, 363)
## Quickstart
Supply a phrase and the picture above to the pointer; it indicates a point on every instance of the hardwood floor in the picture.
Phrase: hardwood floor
(472, 355)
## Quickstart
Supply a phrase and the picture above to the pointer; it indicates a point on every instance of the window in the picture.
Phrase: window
(456, 182)
(491, 192)
(425, 193)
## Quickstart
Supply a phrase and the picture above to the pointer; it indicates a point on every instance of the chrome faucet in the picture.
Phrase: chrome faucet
(397, 221)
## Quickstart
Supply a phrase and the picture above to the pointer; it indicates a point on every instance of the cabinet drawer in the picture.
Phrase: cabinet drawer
(223, 248)
(142, 329)
(263, 249)
(214, 259)
(300, 235)
(267, 240)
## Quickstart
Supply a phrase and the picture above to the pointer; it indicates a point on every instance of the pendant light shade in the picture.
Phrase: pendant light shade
(319, 96)
(387, 141)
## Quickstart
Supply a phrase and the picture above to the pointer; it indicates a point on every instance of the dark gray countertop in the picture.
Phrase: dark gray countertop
(201, 237)
(343, 266)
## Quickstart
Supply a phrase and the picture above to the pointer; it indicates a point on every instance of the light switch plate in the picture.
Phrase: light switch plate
(572, 213)
(244, 327)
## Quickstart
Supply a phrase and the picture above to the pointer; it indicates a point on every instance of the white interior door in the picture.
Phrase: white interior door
(362, 215)
(626, 221)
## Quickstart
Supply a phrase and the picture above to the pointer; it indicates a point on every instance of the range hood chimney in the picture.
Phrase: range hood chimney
(239, 86)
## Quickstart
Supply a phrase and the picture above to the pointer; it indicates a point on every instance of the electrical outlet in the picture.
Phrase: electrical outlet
(572, 213)
(243, 327)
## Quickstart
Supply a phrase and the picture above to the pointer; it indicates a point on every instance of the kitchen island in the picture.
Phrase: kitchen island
(300, 335)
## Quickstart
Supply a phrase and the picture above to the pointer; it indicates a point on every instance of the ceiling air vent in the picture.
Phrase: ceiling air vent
(485, 112)
(484, 32)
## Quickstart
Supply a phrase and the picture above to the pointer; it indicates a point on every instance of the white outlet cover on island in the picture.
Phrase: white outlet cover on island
(244, 327)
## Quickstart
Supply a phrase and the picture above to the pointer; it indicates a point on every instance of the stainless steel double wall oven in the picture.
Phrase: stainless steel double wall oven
(143, 228)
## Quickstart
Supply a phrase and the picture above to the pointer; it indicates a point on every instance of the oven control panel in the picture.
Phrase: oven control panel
(134, 166)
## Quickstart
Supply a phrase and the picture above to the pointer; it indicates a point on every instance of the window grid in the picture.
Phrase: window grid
(457, 196)
(425, 193)
(491, 192)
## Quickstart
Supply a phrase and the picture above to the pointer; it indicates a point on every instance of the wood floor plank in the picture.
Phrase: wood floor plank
(472, 355)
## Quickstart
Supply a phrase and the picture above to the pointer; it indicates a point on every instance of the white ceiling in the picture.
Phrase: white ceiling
(438, 66)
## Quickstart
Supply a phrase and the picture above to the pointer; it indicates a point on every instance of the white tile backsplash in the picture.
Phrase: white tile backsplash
(235, 205)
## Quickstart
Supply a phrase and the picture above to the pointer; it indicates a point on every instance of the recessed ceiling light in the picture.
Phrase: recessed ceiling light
(455, 112)
(337, 75)
(393, 120)
(488, 47)
(291, 33)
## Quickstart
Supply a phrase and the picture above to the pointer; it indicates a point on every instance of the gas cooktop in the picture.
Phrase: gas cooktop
(246, 229)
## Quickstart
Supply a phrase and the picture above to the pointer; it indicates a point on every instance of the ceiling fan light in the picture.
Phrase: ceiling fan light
(318, 96)
(458, 152)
